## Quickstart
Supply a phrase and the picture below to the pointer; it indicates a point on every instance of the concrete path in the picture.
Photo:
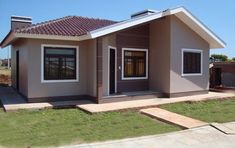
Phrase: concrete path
(9, 96)
(201, 137)
(12, 101)
(174, 118)
(95, 108)
(227, 128)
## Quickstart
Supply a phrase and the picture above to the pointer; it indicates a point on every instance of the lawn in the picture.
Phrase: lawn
(210, 111)
(71, 126)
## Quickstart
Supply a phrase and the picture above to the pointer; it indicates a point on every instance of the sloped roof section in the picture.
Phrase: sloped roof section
(66, 26)
(75, 28)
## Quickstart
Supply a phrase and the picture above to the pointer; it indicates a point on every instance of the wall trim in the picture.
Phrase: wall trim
(187, 93)
(42, 63)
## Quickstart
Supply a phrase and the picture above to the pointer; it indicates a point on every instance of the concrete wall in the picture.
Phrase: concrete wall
(183, 37)
(137, 37)
(228, 79)
(21, 46)
(107, 41)
(30, 70)
(91, 68)
(159, 55)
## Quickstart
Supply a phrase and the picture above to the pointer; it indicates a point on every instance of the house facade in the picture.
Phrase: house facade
(222, 74)
(161, 53)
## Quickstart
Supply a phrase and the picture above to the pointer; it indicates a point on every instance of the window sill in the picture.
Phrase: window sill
(59, 81)
(135, 78)
(196, 74)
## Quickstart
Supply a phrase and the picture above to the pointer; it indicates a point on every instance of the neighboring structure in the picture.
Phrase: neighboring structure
(222, 74)
(5, 62)
(154, 52)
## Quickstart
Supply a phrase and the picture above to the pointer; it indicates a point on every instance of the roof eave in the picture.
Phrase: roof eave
(10, 37)
(181, 12)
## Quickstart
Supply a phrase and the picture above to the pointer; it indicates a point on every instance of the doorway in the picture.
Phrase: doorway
(112, 70)
(217, 76)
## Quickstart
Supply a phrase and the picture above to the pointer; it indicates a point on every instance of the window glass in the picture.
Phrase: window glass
(134, 63)
(191, 62)
(59, 63)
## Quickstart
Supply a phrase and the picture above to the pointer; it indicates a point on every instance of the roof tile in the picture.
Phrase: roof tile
(66, 26)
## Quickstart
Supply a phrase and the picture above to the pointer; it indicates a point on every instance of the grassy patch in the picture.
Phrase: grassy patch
(210, 111)
(72, 126)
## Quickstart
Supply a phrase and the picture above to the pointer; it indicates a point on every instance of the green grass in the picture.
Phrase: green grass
(210, 111)
(72, 126)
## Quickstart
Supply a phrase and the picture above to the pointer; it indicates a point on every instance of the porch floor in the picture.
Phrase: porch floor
(145, 103)
(12, 101)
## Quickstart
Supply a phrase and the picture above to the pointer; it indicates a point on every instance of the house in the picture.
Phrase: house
(4, 62)
(152, 53)
(222, 74)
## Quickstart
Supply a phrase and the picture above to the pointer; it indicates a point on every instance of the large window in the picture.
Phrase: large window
(135, 63)
(192, 62)
(59, 63)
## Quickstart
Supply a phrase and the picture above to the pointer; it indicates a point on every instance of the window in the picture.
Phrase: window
(134, 64)
(192, 62)
(59, 64)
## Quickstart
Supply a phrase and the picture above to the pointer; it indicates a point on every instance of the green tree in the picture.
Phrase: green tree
(233, 59)
(219, 57)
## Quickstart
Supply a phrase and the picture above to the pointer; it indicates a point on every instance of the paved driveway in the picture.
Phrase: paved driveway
(202, 137)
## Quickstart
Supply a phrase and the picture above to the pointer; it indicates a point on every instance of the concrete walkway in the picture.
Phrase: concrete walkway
(12, 101)
(227, 128)
(173, 118)
(201, 137)
(96, 108)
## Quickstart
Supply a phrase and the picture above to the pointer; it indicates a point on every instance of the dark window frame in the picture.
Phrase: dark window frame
(136, 59)
(63, 59)
(194, 67)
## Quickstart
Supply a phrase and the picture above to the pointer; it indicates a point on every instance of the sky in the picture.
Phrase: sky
(218, 15)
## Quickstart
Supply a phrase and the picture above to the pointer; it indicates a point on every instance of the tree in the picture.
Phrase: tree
(219, 57)
(233, 59)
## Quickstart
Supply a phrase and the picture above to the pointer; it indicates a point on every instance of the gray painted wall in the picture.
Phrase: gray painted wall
(183, 37)
(30, 79)
(20, 45)
(159, 55)
(107, 41)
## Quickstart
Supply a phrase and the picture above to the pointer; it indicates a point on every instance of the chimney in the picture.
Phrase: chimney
(18, 22)
(143, 13)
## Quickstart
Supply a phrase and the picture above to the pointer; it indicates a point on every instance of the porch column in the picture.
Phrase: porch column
(99, 65)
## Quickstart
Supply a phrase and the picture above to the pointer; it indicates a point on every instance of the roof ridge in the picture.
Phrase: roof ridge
(43, 23)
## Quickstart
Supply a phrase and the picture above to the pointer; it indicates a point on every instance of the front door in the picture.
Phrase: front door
(112, 59)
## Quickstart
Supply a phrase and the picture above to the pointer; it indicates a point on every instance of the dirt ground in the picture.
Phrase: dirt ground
(5, 76)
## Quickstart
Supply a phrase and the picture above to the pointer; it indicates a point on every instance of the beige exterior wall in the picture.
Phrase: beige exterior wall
(107, 41)
(20, 45)
(37, 89)
(183, 37)
(159, 56)
(91, 68)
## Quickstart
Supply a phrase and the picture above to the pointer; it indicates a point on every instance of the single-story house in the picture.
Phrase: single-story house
(152, 53)
(222, 74)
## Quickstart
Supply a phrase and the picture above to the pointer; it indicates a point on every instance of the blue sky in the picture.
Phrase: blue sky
(218, 15)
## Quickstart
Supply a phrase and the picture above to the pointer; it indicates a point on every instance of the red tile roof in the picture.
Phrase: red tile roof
(66, 26)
